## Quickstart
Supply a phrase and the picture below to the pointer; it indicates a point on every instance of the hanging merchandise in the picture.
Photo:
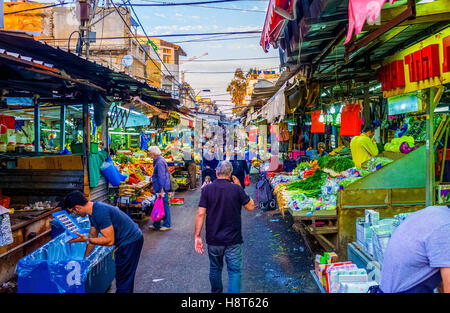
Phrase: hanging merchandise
(350, 120)
(359, 11)
(51, 137)
(144, 142)
(316, 125)
(6, 237)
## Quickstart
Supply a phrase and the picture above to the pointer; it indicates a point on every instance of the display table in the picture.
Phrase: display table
(364, 260)
(306, 225)
(317, 281)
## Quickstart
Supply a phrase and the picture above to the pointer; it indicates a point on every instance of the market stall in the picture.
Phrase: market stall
(53, 135)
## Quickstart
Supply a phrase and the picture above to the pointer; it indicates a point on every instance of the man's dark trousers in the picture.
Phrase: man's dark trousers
(127, 259)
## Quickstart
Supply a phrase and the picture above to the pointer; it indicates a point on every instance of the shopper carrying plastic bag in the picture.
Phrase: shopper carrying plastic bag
(158, 210)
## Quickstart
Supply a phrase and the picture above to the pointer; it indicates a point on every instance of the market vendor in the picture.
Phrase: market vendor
(320, 151)
(364, 146)
(417, 258)
(116, 228)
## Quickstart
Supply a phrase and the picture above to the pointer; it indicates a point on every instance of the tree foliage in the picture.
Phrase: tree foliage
(237, 88)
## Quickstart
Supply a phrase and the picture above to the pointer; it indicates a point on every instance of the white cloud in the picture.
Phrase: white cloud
(165, 27)
(243, 46)
(243, 28)
(190, 27)
(195, 17)
(178, 14)
(160, 15)
(214, 46)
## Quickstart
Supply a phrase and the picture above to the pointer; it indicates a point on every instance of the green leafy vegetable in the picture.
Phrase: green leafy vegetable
(323, 161)
(342, 164)
(313, 182)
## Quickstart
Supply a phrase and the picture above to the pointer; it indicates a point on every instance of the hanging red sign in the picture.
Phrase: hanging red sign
(350, 120)
(316, 125)
(423, 65)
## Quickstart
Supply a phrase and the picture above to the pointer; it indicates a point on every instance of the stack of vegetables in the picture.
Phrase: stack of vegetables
(336, 164)
(301, 167)
(403, 144)
(311, 186)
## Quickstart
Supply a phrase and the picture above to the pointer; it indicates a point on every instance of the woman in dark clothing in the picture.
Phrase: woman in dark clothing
(240, 169)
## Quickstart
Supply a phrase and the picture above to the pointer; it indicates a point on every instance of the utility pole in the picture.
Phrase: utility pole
(1, 14)
(83, 11)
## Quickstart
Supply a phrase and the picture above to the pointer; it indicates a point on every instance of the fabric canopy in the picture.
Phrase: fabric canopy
(275, 106)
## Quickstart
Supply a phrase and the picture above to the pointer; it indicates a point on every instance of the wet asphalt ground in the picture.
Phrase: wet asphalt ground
(275, 258)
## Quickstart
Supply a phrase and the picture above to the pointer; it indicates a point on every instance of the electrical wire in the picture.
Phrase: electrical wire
(215, 7)
(166, 4)
(236, 59)
(161, 36)
(217, 39)
(145, 51)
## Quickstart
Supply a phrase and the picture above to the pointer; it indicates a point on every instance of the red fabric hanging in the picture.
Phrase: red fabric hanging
(359, 10)
(316, 126)
(7, 120)
(350, 120)
(252, 135)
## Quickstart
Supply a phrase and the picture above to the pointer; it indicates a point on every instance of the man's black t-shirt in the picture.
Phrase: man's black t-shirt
(223, 201)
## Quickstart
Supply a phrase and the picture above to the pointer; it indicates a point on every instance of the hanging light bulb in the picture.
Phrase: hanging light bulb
(321, 118)
(332, 110)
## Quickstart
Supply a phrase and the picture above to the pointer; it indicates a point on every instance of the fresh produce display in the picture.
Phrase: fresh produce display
(405, 147)
(300, 167)
(342, 164)
(322, 162)
(395, 144)
(313, 182)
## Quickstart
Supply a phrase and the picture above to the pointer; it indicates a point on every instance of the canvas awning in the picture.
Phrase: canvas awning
(279, 12)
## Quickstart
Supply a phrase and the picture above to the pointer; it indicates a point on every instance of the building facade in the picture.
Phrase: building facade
(112, 40)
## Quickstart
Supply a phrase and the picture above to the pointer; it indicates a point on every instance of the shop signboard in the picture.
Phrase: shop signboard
(408, 103)
(423, 65)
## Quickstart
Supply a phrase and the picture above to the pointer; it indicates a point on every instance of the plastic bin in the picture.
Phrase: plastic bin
(57, 229)
(76, 148)
(94, 147)
(381, 234)
(59, 267)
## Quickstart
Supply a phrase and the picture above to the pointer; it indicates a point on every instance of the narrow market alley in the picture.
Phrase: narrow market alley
(275, 258)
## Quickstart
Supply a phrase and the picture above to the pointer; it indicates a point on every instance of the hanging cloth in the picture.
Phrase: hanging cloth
(359, 10)
(316, 126)
(350, 120)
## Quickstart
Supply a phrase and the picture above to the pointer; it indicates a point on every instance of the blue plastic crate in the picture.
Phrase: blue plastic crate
(57, 229)
(59, 267)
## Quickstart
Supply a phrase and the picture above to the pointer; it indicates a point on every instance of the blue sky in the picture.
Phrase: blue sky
(194, 19)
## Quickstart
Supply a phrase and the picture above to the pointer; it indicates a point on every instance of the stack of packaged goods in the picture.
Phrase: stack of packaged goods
(340, 277)
(373, 233)
(126, 190)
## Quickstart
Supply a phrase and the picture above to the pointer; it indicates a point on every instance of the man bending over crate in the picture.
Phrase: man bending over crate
(117, 228)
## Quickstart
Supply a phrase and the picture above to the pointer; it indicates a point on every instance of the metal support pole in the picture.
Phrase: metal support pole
(86, 133)
(37, 126)
(444, 155)
(62, 128)
(430, 192)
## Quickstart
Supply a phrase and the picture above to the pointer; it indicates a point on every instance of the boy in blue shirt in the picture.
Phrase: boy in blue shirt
(117, 228)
